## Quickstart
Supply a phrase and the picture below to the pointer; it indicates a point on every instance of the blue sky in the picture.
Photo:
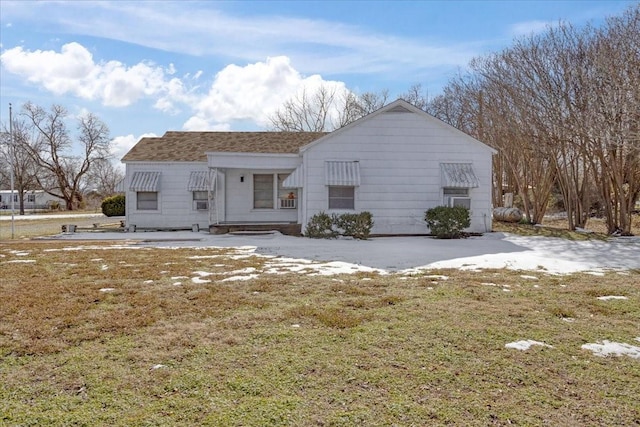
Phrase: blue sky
(146, 67)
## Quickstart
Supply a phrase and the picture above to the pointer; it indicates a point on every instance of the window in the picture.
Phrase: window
(286, 196)
(264, 196)
(147, 200)
(456, 197)
(341, 197)
(200, 200)
(31, 198)
(263, 191)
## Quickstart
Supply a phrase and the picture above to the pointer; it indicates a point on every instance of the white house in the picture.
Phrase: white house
(33, 199)
(396, 163)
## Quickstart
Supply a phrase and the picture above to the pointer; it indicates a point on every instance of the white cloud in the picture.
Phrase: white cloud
(528, 28)
(120, 145)
(196, 123)
(73, 71)
(253, 92)
(203, 29)
(249, 93)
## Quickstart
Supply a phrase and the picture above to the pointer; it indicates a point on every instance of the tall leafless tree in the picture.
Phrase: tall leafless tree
(326, 109)
(563, 109)
(308, 112)
(18, 162)
(63, 164)
(104, 177)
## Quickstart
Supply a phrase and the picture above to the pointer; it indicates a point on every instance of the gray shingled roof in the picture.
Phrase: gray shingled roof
(176, 146)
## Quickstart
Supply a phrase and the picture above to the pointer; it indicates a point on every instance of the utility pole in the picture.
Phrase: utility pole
(12, 148)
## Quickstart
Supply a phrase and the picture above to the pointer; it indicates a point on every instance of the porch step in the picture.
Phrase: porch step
(291, 229)
(252, 233)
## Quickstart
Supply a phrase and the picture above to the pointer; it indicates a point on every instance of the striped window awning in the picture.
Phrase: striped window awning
(145, 181)
(342, 173)
(198, 181)
(458, 175)
(295, 179)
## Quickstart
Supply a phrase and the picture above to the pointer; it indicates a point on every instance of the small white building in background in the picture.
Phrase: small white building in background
(396, 163)
(33, 200)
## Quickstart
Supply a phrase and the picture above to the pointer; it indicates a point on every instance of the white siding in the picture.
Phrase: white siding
(239, 199)
(175, 201)
(400, 156)
(42, 199)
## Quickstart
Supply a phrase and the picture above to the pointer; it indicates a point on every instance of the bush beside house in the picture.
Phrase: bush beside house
(114, 205)
(448, 222)
(325, 226)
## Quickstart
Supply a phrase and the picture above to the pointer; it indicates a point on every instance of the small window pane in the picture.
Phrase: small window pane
(263, 191)
(200, 195)
(147, 200)
(449, 191)
(200, 200)
(341, 197)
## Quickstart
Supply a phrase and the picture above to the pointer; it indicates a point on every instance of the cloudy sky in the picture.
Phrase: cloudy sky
(146, 67)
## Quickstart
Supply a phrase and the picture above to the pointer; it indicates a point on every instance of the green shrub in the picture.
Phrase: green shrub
(448, 222)
(354, 225)
(323, 226)
(320, 226)
(114, 205)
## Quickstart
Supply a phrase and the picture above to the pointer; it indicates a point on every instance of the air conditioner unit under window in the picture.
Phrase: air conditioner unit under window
(465, 202)
(201, 205)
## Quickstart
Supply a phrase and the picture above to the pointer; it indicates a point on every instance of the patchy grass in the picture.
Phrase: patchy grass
(25, 227)
(554, 227)
(108, 335)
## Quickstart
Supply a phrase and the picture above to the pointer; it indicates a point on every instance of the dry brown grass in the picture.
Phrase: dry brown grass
(297, 350)
(597, 225)
(558, 227)
(24, 228)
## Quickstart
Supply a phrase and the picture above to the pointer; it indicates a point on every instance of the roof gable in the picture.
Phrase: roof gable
(179, 146)
(399, 106)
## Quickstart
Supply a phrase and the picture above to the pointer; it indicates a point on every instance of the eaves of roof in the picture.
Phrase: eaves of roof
(176, 146)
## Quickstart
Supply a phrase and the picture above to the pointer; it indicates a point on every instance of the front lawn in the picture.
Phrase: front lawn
(104, 334)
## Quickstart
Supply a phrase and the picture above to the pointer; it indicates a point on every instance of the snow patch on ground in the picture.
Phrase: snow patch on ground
(240, 278)
(525, 344)
(611, 297)
(610, 348)
(405, 254)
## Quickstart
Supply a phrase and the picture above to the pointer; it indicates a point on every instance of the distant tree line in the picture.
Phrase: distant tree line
(561, 107)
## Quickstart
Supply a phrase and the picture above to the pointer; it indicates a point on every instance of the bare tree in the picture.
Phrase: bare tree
(17, 161)
(326, 109)
(307, 112)
(614, 137)
(369, 102)
(62, 171)
(416, 96)
(104, 177)
(563, 109)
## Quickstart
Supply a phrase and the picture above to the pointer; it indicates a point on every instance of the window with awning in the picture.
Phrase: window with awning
(342, 173)
(295, 179)
(458, 175)
(198, 181)
(145, 181)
